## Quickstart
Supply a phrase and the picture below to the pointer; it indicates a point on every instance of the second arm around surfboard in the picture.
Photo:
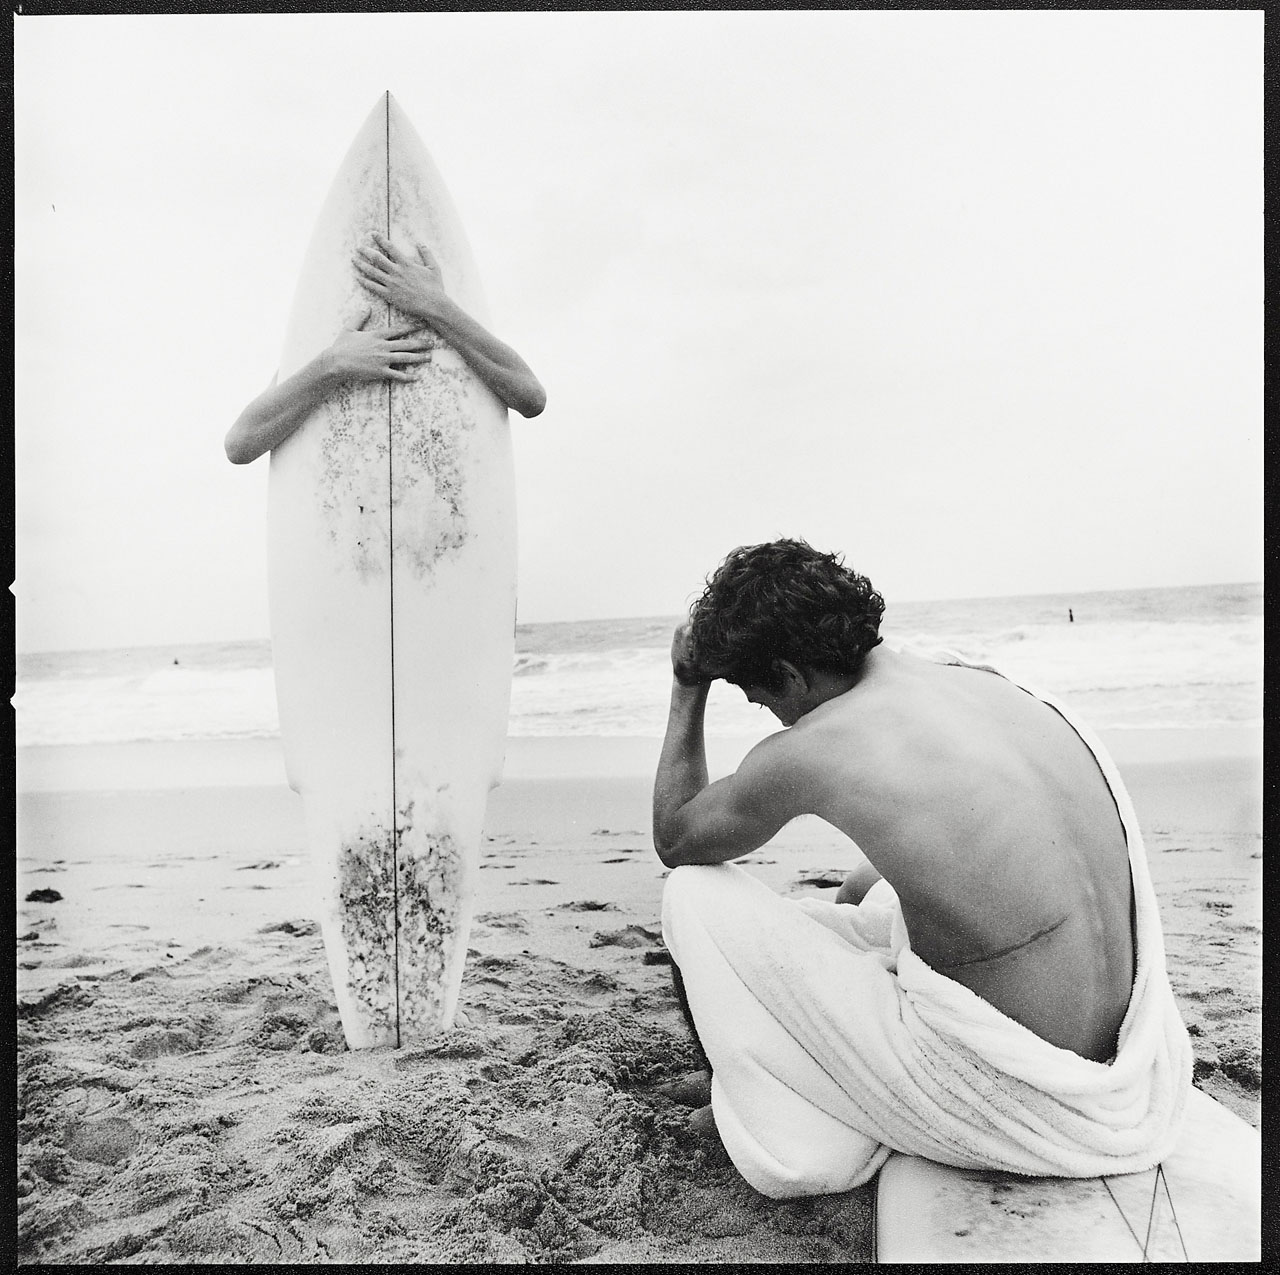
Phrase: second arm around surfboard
(360, 353)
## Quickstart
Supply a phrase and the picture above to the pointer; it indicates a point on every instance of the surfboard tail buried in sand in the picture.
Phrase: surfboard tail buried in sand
(392, 574)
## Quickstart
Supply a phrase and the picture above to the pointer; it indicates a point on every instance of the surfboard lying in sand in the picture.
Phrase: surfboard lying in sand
(1202, 1204)
(392, 575)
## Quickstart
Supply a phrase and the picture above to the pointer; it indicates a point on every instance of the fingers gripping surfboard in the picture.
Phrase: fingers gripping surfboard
(392, 575)
(1202, 1204)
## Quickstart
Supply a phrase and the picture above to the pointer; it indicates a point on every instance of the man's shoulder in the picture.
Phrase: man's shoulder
(778, 774)
(834, 735)
(785, 756)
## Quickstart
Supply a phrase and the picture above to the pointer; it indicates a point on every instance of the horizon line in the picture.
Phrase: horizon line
(654, 616)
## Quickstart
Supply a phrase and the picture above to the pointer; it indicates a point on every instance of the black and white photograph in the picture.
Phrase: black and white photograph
(638, 636)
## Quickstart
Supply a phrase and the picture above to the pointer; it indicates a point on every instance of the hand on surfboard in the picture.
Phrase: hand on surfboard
(412, 287)
(379, 354)
(357, 354)
(416, 289)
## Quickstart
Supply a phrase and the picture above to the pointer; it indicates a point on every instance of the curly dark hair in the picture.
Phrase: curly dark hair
(783, 601)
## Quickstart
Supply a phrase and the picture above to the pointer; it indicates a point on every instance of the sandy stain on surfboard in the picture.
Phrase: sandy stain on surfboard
(432, 427)
(426, 477)
(353, 494)
(366, 888)
(407, 485)
(425, 895)
(429, 900)
(431, 441)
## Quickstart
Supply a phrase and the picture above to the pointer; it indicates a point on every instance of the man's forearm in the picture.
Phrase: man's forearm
(280, 409)
(682, 766)
(492, 360)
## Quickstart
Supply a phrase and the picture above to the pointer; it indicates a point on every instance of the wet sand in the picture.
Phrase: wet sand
(185, 1096)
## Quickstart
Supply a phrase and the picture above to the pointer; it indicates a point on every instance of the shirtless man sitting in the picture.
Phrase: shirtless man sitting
(359, 353)
(975, 801)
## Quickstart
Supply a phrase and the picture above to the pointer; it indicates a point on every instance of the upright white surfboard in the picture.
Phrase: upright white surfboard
(392, 568)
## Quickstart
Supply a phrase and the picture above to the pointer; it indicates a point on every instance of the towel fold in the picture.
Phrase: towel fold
(833, 1044)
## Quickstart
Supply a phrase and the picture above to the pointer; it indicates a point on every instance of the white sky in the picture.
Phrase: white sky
(975, 296)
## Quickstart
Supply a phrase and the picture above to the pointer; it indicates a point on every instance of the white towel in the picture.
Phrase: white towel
(832, 1043)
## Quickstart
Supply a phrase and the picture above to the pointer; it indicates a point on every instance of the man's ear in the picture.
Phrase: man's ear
(789, 676)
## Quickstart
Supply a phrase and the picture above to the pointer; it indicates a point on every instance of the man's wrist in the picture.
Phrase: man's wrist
(434, 308)
(330, 369)
(689, 690)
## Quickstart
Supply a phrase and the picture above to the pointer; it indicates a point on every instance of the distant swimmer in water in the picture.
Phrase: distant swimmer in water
(416, 289)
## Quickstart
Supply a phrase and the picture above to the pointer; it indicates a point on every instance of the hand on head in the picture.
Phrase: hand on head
(683, 664)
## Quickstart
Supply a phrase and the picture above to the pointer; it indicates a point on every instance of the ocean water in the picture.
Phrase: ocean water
(1171, 658)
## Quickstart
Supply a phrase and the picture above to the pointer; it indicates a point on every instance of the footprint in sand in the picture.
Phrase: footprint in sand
(63, 996)
(487, 961)
(74, 961)
(630, 936)
(163, 1042)
(503, 920)
(282, 1029)
(300, 929)
(586, 905)
(600, 984)
(461, 1042)
(152, 971)
(106, 1141)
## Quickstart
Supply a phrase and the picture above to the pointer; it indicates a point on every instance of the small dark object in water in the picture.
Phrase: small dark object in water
(43, 896)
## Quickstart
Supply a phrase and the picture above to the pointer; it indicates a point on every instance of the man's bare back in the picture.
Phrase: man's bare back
(990, 818)
(977, 802)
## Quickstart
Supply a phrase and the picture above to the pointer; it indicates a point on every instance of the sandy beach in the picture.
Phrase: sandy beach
(185, 1095)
